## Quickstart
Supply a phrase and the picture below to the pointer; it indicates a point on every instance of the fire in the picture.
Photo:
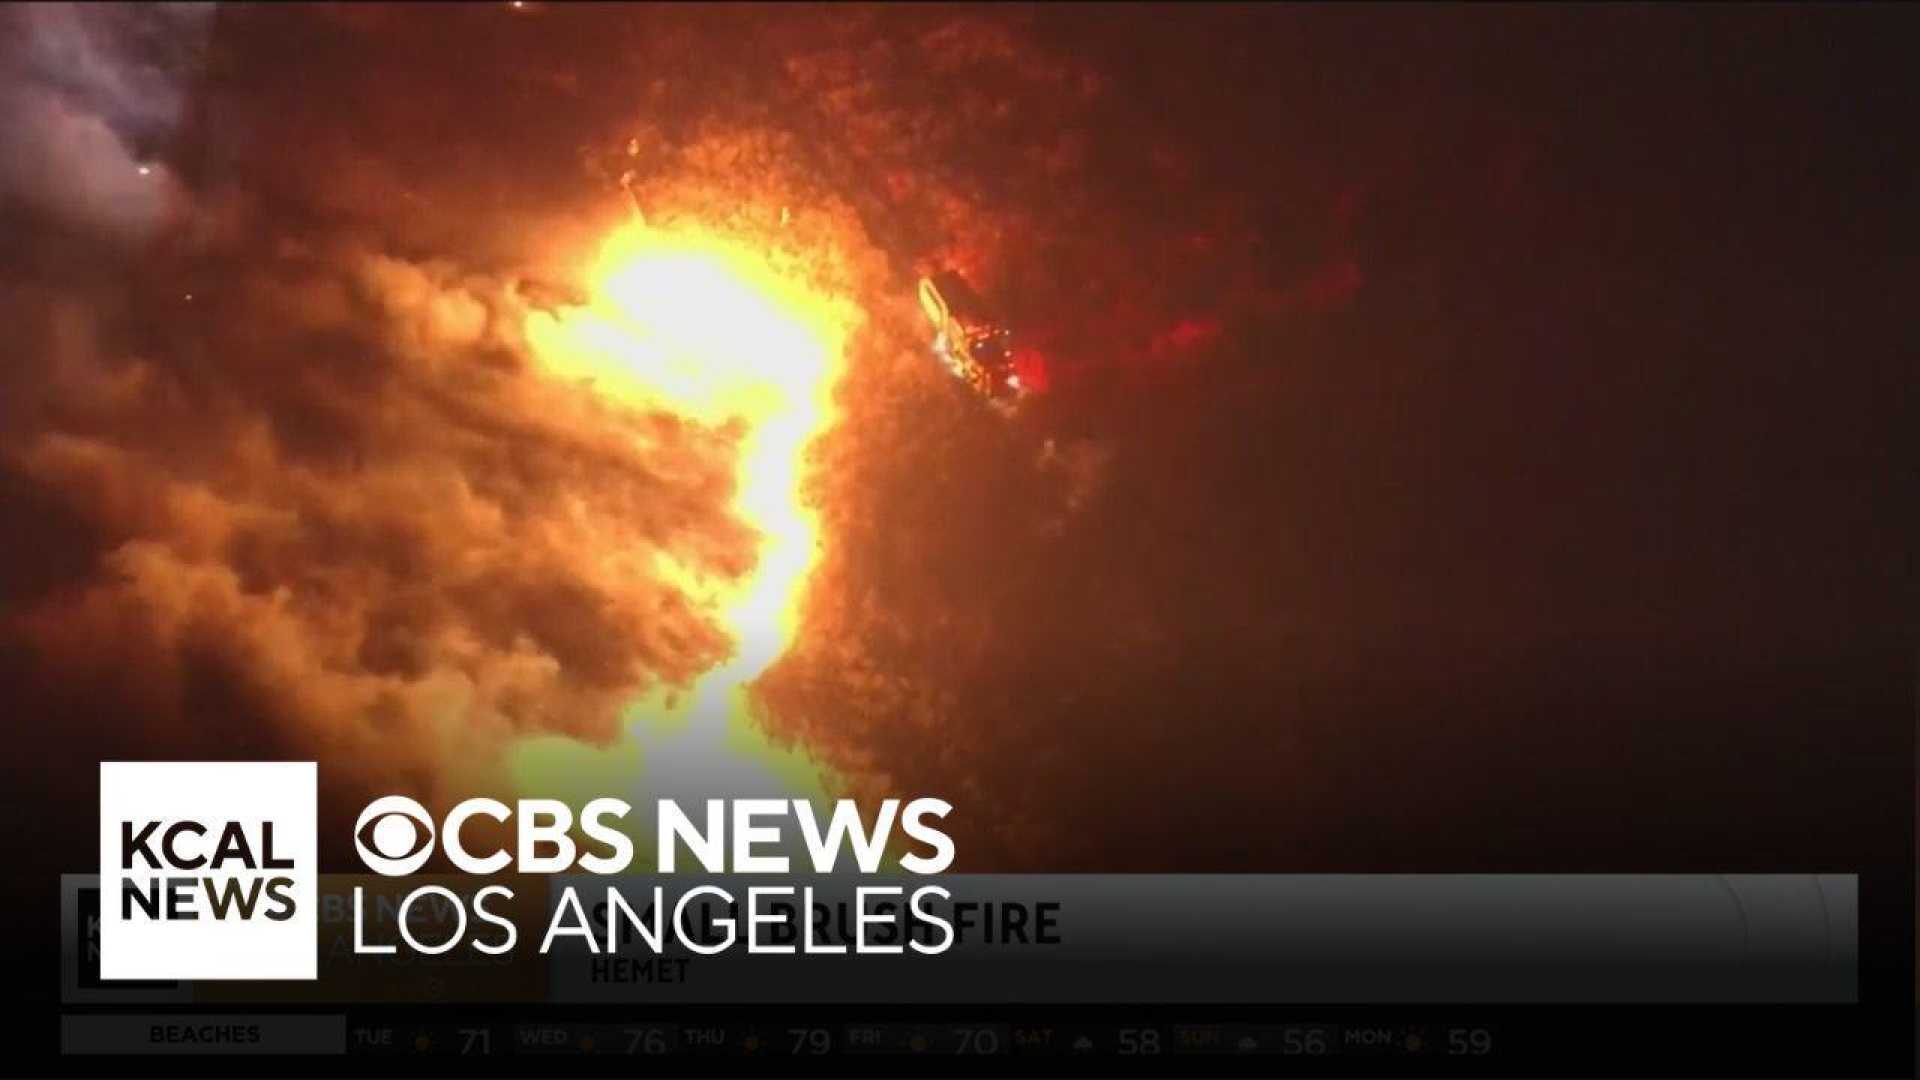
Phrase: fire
(710, 329)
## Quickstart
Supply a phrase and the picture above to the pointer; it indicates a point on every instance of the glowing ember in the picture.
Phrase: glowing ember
(695, 324)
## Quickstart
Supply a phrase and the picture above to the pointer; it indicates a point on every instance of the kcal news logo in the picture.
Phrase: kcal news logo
(208, 870)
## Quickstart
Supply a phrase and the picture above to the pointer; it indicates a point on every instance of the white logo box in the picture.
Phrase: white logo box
(212, 793)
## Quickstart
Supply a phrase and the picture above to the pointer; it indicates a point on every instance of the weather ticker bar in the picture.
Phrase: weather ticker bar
(335, 1034)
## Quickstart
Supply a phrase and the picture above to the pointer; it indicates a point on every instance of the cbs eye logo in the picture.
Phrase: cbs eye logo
(394, 835)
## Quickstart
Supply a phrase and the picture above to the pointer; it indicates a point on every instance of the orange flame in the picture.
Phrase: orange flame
(700, 325)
